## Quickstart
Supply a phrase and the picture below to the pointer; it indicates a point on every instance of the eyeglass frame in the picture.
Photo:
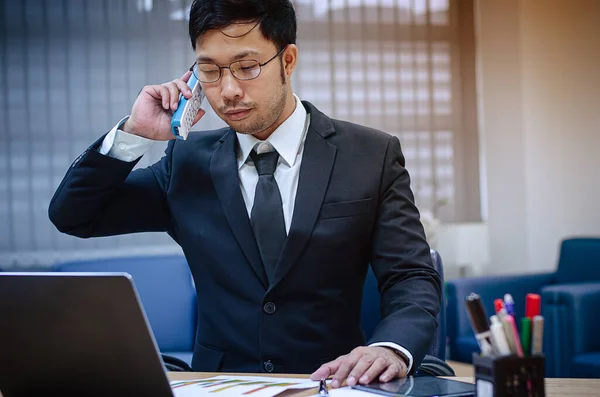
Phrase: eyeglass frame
(260, 65)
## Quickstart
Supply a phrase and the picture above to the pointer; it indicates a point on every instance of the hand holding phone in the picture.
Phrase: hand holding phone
(154, 108)
(184, 116)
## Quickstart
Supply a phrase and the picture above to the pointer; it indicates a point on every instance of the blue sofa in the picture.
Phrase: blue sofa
(572, 341)
(570, 305)
(168, 296)
(167, 293)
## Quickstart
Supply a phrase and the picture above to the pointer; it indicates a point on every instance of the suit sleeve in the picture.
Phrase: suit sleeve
(410, 287)
(101, 196)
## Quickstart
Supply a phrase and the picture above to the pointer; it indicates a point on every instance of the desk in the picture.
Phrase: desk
(555, 387)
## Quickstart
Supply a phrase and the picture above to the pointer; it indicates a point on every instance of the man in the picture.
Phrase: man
(279, 215)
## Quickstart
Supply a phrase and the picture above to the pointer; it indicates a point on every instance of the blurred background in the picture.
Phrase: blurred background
(495, 103)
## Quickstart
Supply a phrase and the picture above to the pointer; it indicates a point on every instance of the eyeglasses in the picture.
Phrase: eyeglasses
(246, 69)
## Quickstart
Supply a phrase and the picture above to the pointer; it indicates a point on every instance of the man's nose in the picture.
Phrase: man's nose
(230, 86)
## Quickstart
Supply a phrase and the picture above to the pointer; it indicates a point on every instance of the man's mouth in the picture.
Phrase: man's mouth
(237, 114)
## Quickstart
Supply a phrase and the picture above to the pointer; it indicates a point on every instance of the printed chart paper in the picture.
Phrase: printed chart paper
(238, 386)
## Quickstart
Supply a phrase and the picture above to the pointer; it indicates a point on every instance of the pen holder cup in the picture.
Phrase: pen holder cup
(509, 376)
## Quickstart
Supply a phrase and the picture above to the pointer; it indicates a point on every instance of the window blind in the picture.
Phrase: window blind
(71, 69)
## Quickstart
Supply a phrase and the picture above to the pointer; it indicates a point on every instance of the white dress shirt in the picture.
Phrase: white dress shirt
(288, 139)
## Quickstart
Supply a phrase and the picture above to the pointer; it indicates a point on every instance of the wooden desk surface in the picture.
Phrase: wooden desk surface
(555, 387)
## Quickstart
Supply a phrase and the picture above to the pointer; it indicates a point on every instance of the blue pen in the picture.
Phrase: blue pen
(509, 304)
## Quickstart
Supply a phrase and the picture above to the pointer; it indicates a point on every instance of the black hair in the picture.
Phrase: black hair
(276, 18)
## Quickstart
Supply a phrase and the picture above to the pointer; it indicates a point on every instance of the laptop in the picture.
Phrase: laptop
(76, 334)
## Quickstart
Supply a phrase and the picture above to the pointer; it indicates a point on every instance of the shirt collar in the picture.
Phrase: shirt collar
(286, 139)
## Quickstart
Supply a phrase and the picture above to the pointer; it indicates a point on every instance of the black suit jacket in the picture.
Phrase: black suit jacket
(354, 207)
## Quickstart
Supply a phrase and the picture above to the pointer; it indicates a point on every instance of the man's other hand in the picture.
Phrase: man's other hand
(363, 365)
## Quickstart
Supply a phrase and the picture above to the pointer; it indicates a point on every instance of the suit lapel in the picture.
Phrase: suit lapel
(317, 163)
(225, 176)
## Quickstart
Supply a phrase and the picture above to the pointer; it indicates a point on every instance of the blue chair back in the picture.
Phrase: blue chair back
(167, 292)
(371, 309)
(579, 261)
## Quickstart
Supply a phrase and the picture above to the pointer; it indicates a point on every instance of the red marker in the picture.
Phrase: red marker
(532, 306)
(498, 304)
(500, 309)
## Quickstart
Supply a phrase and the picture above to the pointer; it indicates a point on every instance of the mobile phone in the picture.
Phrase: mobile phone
(187, 109)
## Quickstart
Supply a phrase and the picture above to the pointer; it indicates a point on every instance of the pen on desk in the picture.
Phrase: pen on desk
(526, 335)
(509, 304)
(538, 335)
(479, 323)
(499, 337)
(323, 388)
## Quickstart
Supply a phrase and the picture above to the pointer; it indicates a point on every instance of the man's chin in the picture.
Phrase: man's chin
(240, 128)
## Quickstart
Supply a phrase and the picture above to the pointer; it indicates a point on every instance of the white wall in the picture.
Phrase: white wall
(539, 97)
(464, 248)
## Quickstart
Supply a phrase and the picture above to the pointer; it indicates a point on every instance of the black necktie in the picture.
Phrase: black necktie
(267, 212)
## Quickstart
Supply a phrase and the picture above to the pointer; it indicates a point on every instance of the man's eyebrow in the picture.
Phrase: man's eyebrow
(241, 55)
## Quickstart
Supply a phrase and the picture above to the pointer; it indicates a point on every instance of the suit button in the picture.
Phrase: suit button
(269, 308)
(269, 367)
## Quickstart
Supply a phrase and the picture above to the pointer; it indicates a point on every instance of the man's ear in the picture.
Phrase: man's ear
(290, 59)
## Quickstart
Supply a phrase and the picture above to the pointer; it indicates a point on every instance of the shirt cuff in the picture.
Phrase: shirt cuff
(124, 146)
(399, 348)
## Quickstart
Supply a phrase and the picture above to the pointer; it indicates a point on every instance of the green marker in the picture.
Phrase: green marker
(526, 336)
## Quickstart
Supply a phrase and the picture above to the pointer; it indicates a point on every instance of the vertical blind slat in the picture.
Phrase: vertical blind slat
(8, 233)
